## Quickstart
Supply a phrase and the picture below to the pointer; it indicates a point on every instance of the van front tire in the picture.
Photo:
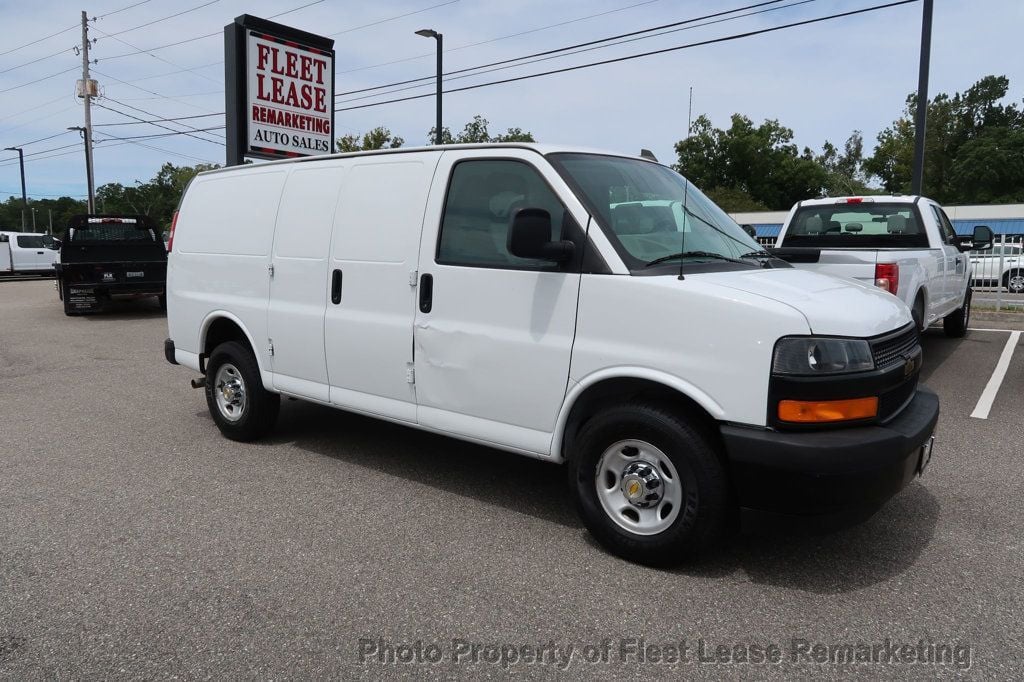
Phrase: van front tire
(649, 484)
(239, 404)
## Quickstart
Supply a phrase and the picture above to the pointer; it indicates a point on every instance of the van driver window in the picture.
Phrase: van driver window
(483, 198)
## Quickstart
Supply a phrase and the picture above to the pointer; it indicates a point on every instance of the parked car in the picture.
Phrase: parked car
(27, 252)
(1002, 266)
(586, 308)
(905, 245)
(110, 256)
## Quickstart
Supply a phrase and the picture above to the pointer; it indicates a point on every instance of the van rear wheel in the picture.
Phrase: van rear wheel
(649, 484)
(239, 404)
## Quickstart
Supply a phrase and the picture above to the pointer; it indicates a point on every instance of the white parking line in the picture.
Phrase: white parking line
(982, 329)
(988, 396)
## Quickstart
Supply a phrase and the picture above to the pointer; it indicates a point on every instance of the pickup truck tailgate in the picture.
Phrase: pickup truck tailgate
(856, 264)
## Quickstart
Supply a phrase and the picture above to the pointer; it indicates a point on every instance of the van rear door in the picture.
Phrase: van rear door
(371, 283)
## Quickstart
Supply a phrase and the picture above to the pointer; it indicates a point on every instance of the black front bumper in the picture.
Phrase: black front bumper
(839, 472)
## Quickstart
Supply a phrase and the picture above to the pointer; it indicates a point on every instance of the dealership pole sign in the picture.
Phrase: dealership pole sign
(279, 91)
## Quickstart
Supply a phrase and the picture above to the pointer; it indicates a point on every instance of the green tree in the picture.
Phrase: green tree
(157, 198)
(476, 132)
(378, 138)
(758, 165)
(974, 147)
(844, 169)
(61, 209)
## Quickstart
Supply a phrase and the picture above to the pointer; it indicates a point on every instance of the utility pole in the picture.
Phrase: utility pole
(921, 119)
(87, 94)
(24, 196)
(50, 211)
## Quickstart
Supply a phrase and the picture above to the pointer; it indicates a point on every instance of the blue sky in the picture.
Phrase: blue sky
(823, 80)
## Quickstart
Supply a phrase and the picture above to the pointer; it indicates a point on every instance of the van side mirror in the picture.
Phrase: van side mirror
(530, 237)
(750, 230)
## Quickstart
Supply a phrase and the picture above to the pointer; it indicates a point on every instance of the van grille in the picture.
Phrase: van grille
(893, 350)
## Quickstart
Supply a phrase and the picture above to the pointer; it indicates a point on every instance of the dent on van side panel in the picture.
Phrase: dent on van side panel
(717, 341)
(221, 253)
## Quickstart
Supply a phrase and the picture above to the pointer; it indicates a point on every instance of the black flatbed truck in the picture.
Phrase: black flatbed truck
(110, 256)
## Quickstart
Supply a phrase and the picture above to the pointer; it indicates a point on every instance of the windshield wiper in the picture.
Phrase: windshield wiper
(695, 254)
(757, 254)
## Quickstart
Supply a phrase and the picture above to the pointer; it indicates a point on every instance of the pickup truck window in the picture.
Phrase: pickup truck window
(31, 241)
(872, 225)
(112, 232)
(945, 227)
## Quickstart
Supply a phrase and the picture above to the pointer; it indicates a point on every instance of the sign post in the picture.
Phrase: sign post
(278, 91)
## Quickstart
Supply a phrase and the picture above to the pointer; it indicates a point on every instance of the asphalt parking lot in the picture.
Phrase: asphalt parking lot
(136, 542)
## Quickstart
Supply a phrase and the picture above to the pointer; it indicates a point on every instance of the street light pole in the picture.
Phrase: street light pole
(921, 119)
(24, 196)
(430, 33)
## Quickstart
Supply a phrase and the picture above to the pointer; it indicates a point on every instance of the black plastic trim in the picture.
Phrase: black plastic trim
(829, 471)
(169, 351)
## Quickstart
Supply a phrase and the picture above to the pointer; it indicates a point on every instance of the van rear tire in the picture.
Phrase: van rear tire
(667, 455)
(239, 404)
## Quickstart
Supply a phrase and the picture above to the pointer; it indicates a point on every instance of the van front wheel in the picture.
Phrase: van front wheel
(648, 484)
(242, 409)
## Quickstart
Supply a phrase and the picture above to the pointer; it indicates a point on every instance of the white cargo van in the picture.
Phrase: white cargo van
(572, 306)
(27, 252)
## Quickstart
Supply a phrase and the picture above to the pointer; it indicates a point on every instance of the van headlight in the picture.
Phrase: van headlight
(810, 356)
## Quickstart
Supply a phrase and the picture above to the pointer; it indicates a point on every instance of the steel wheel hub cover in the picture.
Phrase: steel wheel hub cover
(641, 485)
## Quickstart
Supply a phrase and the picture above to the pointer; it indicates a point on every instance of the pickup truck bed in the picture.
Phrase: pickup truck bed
(106, 257)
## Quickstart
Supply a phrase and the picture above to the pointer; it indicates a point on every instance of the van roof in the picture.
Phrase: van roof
(542, 149)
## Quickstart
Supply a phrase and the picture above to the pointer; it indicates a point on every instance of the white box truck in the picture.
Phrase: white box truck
(579, 307)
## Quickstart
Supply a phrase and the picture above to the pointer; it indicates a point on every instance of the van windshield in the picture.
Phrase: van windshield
(873, 225)
(652, 214)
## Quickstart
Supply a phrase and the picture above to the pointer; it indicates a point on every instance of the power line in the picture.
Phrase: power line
(40, 80)
(151, 92)
(578, 45)
(154, 148)
(31, 109)
(42, 139)
(510, 35)
(603, 62)
(154, 56)
(118, 11)
(69, 28)
(158, 125)
(149, 113)
(39, 40)
(37, 60)
(153, 135)
(170, 16)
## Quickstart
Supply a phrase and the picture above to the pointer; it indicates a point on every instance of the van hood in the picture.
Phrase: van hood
(832, 306)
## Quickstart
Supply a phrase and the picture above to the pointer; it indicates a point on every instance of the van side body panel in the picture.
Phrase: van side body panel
(221, 257)
(725, 339)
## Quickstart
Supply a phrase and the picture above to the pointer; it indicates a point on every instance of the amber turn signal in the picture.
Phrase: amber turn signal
(819, 411)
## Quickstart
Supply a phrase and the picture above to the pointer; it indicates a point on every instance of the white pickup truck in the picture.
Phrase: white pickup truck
(903, 244)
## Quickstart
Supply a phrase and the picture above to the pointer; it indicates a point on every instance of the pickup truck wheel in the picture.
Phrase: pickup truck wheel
(242, 409)
(955, 324)
(1014, 281)
(917, 312)
(162, 301)
(648, 484)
